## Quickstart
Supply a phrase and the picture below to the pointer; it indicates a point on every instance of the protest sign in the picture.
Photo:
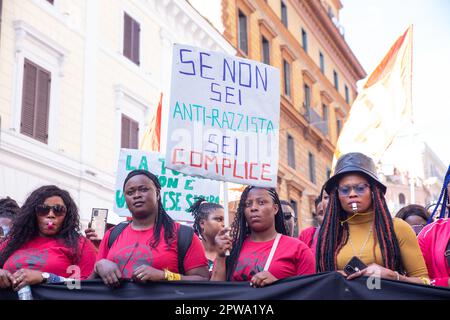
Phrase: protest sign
(223, 118)
(178, 191)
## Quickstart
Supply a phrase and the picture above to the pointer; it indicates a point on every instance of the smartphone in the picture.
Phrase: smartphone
(354, 265)
(98, 221)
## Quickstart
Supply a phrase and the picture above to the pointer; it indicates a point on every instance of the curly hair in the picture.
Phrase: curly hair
(200, 210)
(25, 226)
(162, 218)
(240, 228)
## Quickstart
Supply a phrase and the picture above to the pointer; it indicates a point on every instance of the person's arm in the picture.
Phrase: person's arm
(412, 257)
(223, 244)
(88, 256)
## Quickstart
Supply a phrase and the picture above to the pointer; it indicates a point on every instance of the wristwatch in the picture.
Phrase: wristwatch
(45, 277)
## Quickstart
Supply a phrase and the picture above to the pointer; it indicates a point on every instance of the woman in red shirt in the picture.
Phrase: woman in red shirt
(261, 251)
(44, 243)
(138, 252)
(434, 239)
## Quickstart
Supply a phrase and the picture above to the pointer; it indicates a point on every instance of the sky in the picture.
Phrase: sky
(372, 26)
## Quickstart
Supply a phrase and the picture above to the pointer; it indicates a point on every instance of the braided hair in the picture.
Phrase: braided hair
(333, 235)
(25, 226)
(162, 218)
(240, 228)
(443, 198)
(200, 210)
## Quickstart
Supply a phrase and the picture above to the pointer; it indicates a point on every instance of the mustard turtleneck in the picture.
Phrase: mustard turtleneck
(363, 243)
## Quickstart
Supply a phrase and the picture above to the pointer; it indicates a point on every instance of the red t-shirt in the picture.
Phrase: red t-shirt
(53, 256)
(433, 240)
(132, 249)
(291, 258)
(307, 235)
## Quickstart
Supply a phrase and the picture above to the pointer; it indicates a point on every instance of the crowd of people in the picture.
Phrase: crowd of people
(355, 236)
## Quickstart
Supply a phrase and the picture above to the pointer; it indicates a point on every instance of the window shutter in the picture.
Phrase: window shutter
(134, 134)
(136, 36)
(28, 99)
(125, 132)
(42, 106)
(127, 36)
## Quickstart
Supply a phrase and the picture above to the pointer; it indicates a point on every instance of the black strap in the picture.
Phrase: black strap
(447, 253)
(116, 231)
(185, 234)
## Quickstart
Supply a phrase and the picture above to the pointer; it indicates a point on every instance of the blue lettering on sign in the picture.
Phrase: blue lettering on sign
(187, 62)
(202, 65)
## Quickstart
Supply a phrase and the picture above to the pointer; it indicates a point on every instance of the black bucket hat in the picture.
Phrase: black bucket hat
(354, 162)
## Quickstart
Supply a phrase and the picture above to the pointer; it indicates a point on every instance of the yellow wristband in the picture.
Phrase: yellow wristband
(171, 276)
(425, 280)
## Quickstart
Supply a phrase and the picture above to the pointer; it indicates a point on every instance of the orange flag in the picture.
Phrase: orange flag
(383, 106)
(152, 138)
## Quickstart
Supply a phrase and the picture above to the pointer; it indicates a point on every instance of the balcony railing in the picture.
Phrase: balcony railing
(314, 119)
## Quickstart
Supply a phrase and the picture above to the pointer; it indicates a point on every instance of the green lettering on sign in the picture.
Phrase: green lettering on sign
(129, 167)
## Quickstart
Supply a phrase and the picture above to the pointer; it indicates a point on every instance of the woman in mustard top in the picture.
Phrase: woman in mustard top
(358, 223)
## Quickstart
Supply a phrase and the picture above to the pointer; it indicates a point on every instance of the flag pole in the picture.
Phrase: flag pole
(226, 218)
(412, 177)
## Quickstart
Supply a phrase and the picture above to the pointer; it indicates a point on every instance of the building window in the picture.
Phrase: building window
(336, 80)
(307, 101)
(338, 126)
(401, 198)
(322, 62)
(328, 173)
(242, 33)
(35, 101)
(291, 151)
(304, 40)
(312, 167)
(50, 1)
(347, 95)
(131, 36)
(287, 78)
(325, 117)
(130, 133)
(284, 16)
(265, 45)
(295, 207)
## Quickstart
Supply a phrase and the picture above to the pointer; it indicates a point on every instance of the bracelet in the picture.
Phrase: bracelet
(171, 276)
(398, 275)
(425, 280)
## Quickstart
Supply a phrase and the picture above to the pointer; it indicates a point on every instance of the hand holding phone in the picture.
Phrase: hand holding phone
(98, 221)
(354, 265)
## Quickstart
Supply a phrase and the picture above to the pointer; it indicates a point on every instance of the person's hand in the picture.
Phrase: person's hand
(262, 279)
(92, 235)
(374, 269)
(6, 279)
(223, 242)
(109, 272)
(25, 277)
(145, 273)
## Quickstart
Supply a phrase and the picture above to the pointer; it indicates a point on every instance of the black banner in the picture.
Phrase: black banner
(323, 286)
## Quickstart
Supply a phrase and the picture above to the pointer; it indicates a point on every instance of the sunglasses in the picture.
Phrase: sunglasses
(360, 189)
(42, 210)
(288, 216)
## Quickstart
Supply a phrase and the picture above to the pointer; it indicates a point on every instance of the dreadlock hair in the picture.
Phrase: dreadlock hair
(25, 226)
(162, 218)
(240, 228)
(9, 208)
(443, 198)
(200, 210)
(333, 235)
